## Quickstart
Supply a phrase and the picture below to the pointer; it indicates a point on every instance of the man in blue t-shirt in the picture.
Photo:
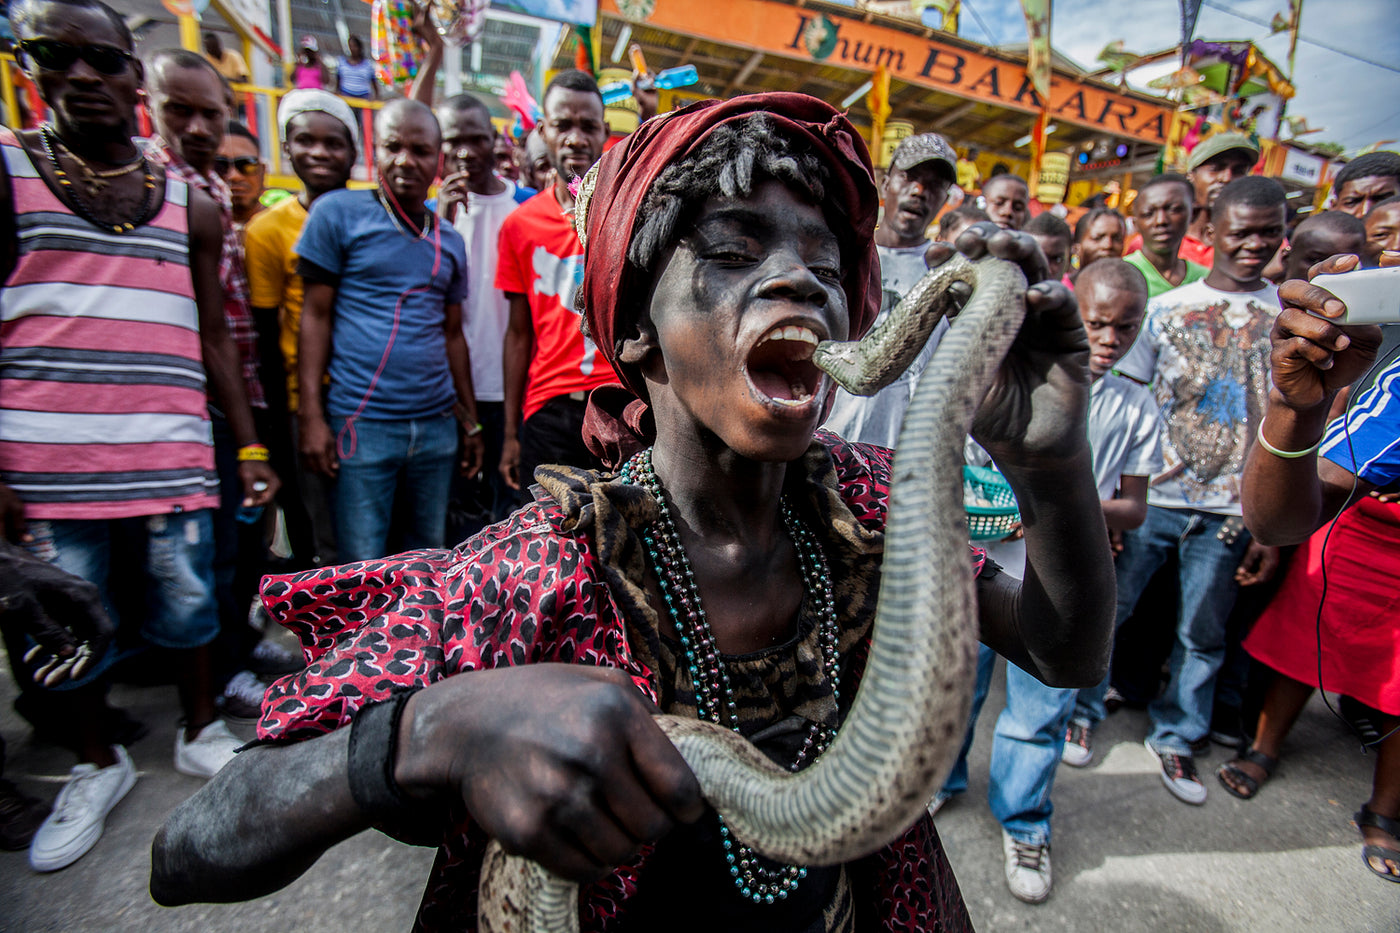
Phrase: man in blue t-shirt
(385, 281)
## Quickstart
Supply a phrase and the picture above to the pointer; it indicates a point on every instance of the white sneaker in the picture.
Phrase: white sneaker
(272, 660)
(1179, 774)
(208, 752)
(242, 698)
(1027, 868)
(80, 811)
(1079, 744)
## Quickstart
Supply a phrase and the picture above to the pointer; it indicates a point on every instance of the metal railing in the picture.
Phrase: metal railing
(256, 106)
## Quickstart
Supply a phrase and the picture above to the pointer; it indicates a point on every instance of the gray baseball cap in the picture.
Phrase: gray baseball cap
(926, 147)
(1219, 144)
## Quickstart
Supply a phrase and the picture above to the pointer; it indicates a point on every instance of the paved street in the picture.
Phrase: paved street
(1128, 857)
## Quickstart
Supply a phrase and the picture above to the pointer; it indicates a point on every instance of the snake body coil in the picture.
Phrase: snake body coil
(906, 723)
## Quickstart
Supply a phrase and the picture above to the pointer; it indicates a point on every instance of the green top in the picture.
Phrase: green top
(1156, 285)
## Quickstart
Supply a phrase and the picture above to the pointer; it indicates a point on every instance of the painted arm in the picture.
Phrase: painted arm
(1057, 622)
(216, 847)
(534, 752)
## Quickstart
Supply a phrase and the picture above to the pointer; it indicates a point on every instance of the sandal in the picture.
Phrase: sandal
(1368, 817)
(1250, 783)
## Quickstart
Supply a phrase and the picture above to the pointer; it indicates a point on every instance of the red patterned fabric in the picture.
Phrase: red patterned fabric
(563, 580)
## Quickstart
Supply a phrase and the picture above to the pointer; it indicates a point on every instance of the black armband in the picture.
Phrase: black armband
(374, 743)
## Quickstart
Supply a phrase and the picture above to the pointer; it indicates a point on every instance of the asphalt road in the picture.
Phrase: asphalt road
(1127, 856)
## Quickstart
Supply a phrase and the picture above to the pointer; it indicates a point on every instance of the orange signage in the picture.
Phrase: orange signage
(810, 35)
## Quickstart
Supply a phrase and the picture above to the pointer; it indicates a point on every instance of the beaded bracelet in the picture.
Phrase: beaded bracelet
(374, 743)
(256, 453)
(1285, 454)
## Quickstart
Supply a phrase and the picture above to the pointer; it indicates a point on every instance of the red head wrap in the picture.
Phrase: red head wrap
(612, 429)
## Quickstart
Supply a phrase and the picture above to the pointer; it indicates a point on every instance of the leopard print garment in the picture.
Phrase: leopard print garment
(564, 580)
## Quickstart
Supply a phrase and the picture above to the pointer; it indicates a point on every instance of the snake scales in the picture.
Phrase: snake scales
(906, 723)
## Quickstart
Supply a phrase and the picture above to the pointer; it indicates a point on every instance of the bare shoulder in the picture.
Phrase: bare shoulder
(206, 224)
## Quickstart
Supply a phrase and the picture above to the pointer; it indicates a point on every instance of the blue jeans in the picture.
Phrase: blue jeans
(1181, 715)
(414, 456)
(1030, 733)
(179, 562)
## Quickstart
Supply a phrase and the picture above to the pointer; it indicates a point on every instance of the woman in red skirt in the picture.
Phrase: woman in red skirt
(1304, 483)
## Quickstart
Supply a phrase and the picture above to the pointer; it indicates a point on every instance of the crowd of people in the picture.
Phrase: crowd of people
(583, 408)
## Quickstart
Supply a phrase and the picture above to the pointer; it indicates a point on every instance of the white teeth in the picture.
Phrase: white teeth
(791, 332)
(800, 396)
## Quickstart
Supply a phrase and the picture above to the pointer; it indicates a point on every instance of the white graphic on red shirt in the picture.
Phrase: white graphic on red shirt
(562, 277)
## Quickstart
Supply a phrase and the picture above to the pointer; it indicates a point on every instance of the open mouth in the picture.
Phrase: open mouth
(780, 367)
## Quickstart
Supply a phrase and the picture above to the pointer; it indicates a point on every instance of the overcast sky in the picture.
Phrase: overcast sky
(1356, 102)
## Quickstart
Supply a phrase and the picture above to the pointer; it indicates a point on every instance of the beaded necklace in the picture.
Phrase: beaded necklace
(714, 698)
(48, 137)
(96, 180)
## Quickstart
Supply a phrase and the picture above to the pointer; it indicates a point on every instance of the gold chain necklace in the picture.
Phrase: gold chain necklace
(143, 215)
(399, 226)
(95, 179)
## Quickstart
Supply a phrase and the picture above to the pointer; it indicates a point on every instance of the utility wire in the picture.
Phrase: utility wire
(1302, 38)
(967, 4)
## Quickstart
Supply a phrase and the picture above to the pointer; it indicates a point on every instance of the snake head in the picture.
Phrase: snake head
(840, 359)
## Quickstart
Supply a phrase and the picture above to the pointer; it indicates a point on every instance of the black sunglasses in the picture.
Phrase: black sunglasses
(52, 55)
(246, 165)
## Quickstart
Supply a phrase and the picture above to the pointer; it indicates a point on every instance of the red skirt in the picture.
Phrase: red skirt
(1360, 631)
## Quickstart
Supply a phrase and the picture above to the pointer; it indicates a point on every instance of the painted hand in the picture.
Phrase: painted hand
(1035, 412)
(59, 611)
(562, 764)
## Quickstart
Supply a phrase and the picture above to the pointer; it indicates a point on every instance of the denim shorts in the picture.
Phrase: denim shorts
(179, 566)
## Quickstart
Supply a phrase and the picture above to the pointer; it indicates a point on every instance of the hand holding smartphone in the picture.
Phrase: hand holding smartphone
(1372, 296)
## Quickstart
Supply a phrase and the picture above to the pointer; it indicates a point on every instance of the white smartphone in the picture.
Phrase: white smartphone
(1372, 296)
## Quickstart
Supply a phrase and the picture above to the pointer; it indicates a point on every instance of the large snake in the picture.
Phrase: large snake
(906, 723)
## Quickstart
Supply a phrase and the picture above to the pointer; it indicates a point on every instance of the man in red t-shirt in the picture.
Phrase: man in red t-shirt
(550, 367)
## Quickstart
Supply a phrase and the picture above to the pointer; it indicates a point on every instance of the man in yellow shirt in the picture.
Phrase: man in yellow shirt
(318, 137)
(969, 176)
(227, 62)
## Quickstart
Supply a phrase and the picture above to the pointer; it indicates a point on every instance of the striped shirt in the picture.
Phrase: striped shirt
(103, 411)
(1366, 441)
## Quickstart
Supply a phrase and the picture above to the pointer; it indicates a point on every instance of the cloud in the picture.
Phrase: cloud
(1351, 99)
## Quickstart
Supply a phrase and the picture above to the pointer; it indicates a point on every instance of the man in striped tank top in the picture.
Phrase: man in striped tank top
(112, 341)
